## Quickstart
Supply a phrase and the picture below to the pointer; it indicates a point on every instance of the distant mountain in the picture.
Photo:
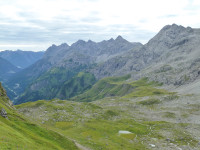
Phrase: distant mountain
(56, 84)
(7, 69)
(171, 57)
(67, 61)
(88, 52)
(21, 59)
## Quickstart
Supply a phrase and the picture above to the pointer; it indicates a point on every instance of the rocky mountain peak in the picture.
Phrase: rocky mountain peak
(90, 41)
(110, 40)
(53, 46)
(119, 38)
(64, 45)
(79, 42)
(172, 27)
(173, 31)
(53, 50)
(50, 49)
(170, 36)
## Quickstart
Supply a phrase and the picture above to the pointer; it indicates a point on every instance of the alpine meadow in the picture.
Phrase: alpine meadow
(128, 77)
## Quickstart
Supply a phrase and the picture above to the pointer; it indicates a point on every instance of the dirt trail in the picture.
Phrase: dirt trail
(81, 147)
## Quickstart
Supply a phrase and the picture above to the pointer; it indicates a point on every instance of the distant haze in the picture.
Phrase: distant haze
(36, 24)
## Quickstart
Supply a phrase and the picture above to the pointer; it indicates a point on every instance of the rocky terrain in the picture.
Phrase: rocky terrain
(68, 61)
(170, 57)
(149, 120)
(115, 94)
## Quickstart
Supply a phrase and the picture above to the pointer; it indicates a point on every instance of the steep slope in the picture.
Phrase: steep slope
(21, 59)
(121, 87)
(19, 133)
(83, 52)
(7, 69)
(55, 85)
(171, 57)
(174, 50)
(178, 64)
(143, 117)
(80, 56)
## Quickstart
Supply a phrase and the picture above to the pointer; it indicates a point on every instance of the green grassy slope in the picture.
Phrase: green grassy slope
(96, 125)
(117, 104)
(17, 132)
(77, 85)
(58, 83)
(120, 86)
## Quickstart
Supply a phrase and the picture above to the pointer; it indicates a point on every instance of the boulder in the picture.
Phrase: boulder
(3, 113)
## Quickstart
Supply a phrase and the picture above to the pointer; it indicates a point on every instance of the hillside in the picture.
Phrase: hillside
(117, 97)
(79, 57)
(137, 119)
(55, 85)
(17, 132)
(21, 59)
(170, 57)
(121, 87)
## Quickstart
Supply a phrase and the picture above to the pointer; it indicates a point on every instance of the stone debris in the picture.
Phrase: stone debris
(124, 132)
(4, 113)
(152, 145)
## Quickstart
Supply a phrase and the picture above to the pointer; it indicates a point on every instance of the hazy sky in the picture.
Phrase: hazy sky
(37, 24)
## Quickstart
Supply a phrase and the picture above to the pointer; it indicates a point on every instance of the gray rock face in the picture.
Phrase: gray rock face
(171, 57)
(88, 52)
(79, 55)
(3, 113)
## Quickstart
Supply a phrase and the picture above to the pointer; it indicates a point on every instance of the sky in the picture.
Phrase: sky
(37, 24)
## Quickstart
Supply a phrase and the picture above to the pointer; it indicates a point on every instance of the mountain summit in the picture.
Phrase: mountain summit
(119, 38)
(170, 57)
(174, 45)
(60, 64)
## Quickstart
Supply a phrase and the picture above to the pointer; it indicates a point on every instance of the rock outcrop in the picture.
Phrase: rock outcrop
(171, 57)
(3, 113)
(80, 56)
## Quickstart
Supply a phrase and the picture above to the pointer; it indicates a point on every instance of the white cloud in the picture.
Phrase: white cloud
(196, 2)
(59, 20)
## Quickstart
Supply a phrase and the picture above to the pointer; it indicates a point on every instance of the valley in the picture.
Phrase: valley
(113, 94)
(166, 121)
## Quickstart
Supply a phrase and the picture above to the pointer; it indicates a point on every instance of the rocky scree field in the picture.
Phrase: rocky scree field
(153, 117)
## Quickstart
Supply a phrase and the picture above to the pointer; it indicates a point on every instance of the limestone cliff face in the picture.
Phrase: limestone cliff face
(61, 63)
(171, 57)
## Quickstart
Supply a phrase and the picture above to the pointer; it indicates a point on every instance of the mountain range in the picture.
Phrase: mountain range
(6, 68)
(62, 63)
(113, 94)
(21, 59)
(164, 58)
(170, 57)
